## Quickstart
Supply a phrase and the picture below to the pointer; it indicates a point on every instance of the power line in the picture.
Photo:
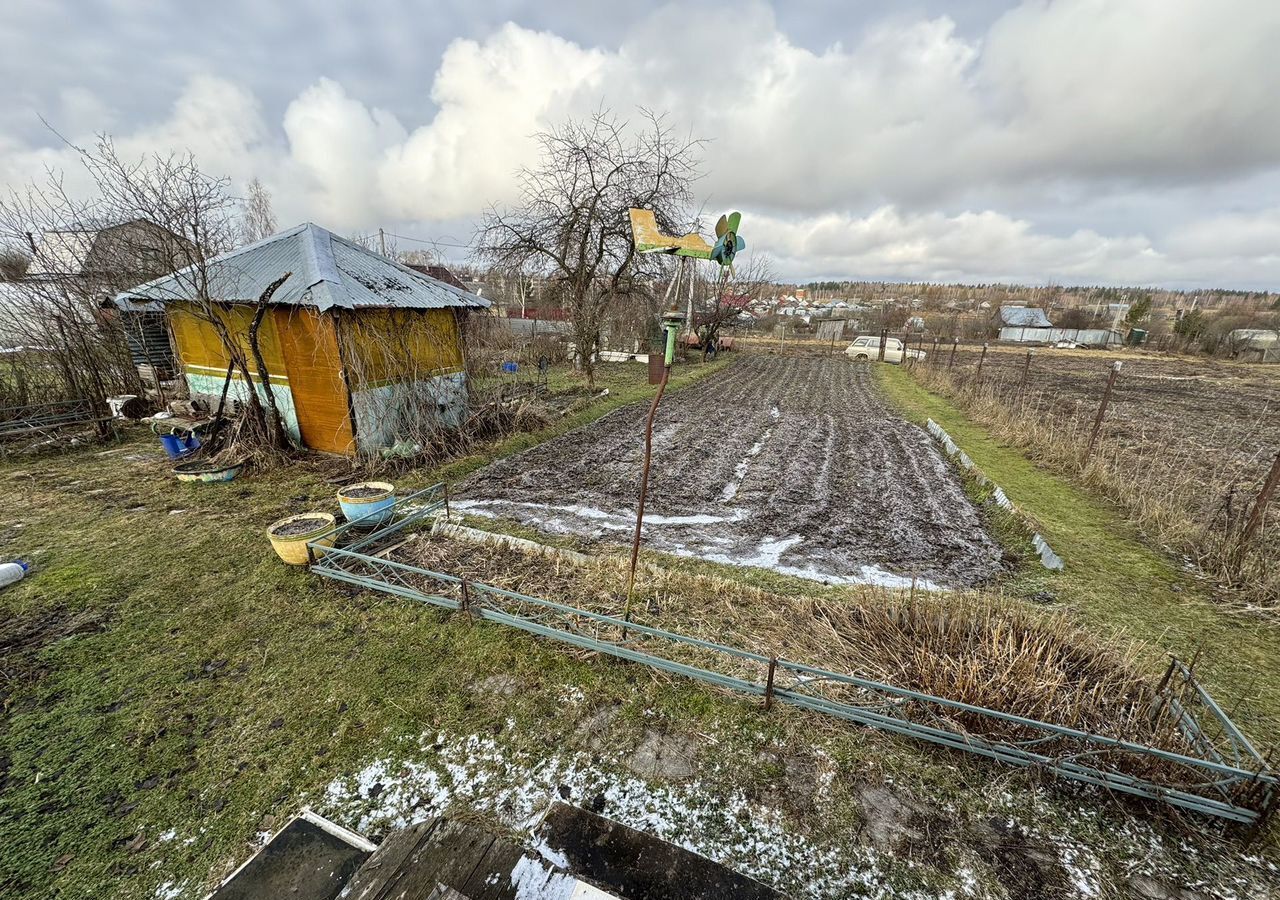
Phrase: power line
(405, 237)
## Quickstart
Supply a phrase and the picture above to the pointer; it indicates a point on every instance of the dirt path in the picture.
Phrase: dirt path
(792, 464)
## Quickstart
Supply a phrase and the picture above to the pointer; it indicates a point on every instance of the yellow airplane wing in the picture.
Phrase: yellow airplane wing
(648, 239)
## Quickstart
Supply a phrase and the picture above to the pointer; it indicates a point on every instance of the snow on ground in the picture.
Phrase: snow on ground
(477, 773)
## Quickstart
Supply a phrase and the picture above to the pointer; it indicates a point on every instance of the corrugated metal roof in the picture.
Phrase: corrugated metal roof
(1024, 317)
(328, 271)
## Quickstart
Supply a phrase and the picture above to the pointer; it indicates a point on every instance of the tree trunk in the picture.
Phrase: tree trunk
(276, 432)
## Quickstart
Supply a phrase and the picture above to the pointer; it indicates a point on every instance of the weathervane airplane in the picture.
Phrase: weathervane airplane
(650, 239)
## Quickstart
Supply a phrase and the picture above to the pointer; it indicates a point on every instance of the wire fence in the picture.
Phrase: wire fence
(1218, 772)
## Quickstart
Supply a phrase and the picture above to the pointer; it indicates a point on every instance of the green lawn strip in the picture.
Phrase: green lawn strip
(1113, 581)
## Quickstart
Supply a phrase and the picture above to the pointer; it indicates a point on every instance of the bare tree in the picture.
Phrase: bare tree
(720, 298)
(179, 219)
(571, 224)
(257, 219)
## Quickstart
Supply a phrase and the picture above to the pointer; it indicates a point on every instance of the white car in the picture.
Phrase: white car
(868, 347)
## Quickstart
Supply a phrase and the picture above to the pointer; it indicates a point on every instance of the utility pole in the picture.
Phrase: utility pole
(382, 242)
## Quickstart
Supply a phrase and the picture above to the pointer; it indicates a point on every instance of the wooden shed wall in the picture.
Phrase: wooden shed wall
(390, 345)
(301, 349)
(310, 348)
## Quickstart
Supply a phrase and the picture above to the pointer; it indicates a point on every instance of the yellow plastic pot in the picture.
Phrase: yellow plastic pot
(292, 548)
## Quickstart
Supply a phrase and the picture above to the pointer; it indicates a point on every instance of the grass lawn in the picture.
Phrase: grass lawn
(171, 691)
(1113, 580)
(164, 672)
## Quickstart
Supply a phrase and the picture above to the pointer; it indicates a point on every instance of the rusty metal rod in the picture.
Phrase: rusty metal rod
(1263, 499)
(1102, 409)
(981, 360)
(1026, 370)
(644, 489)
(955, 342)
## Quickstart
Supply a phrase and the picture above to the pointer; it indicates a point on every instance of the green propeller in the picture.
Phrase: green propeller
(728, 243)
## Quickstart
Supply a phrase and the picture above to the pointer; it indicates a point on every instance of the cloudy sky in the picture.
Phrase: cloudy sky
(1068, 141)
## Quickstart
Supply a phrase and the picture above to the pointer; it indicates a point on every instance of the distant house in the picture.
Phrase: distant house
(1254, 344)
(1024, 317)
(92, 264)
(1031, 325)
(439, 273)
(361, 350)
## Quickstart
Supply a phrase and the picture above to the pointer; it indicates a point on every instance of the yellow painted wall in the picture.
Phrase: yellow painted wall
(300, 347)
(310, 349)
(384, 345)
(200, 347)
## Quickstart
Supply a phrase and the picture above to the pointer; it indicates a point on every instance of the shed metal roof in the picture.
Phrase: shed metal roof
(1024, 317)
(328, 272)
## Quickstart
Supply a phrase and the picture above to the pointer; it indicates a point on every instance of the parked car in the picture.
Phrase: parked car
(868, 347)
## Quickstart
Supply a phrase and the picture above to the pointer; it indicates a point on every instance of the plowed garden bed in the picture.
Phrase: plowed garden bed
(791, 464)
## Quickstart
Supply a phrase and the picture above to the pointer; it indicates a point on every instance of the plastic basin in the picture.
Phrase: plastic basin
(368, 508)
(292, 548)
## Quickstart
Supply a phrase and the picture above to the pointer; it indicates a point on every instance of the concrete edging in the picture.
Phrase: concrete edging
(1048, 558)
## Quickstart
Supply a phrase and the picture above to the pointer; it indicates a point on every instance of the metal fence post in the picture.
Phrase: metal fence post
(466, 601)
(982, 359)
(1026, 369)
(1102, 409)
(951, 361)
(1262, 500)
(447, 517)
(933, 359)
(768, 684)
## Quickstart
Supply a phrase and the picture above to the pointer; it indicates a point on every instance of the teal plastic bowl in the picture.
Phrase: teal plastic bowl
(368, 503)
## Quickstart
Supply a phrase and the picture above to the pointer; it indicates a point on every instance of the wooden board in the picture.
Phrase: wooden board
(310, 351)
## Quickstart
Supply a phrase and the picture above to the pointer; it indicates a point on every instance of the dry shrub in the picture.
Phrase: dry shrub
(965, 647)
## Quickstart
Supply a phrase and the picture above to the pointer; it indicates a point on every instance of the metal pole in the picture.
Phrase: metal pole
(672, 325)
(382, 242)
(446, 503)
(1026, 369)
(934, 353)
(982, 359)
(768, 684)
(955, 342)
(1102, 409)
(1263, 499)
(884, 337)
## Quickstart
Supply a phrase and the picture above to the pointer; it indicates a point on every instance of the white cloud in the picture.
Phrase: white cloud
(990, 246)
(847, 155)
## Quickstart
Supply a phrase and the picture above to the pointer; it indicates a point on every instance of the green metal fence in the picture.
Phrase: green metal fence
(1216, 770)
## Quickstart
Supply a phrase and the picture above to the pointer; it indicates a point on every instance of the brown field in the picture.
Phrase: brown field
(1187, 441)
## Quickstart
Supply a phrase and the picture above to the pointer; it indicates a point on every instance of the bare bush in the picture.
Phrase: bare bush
(571, 225)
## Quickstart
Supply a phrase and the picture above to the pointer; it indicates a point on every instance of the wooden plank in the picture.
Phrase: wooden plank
(449, 856)
(491, 879)
(377, 878)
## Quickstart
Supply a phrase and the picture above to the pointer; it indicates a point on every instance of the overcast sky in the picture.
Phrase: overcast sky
(1073, 141)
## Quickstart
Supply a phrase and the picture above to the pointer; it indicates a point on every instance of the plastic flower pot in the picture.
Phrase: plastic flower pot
(290, 536)
(368, 503)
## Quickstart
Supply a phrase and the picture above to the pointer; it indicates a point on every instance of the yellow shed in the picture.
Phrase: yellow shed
(361, 351)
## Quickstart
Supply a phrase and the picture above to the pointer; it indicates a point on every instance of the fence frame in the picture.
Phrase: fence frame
(894, 710)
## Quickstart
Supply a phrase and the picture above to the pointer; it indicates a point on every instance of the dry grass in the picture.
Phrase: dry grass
(1165, 488)
(972, 648)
